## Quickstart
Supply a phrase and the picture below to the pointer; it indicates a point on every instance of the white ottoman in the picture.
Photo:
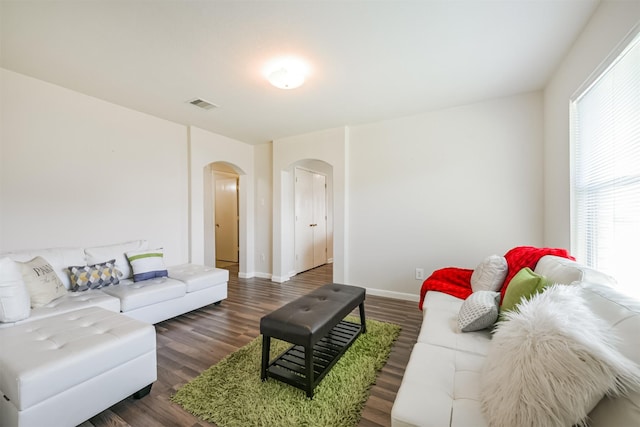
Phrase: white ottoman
(64, 369)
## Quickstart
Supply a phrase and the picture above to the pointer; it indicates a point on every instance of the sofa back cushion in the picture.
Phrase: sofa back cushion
(101, 254)
(14, 299)
(622, 314)
(58, 258)
(566, 271)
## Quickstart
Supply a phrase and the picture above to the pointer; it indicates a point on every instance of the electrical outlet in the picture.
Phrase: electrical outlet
(419, 273)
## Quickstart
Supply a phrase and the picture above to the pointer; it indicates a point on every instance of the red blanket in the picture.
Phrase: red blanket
(457, 281)
(451, 280)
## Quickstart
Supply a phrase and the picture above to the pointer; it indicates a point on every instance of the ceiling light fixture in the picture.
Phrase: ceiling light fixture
(286, 73)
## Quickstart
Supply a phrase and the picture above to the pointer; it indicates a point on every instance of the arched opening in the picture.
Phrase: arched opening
(326, 149)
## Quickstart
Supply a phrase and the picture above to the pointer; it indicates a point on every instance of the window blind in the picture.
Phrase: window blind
(606, 170)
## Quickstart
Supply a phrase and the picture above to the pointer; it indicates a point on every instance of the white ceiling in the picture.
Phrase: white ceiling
(370, 60)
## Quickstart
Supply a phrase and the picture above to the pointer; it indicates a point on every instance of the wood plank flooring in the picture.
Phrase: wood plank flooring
(189, 344)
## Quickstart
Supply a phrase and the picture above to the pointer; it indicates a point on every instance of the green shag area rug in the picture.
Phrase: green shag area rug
(231, 393)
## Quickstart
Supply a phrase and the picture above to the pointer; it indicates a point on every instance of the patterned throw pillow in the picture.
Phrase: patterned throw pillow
(93, 276)
(147, 264)
(479, 311)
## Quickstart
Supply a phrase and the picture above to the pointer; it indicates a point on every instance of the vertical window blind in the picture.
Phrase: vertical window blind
(606, 170)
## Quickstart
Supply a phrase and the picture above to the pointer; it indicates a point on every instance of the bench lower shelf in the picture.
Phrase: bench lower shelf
(291, 366)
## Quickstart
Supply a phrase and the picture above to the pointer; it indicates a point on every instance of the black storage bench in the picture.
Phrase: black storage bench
(315, 325)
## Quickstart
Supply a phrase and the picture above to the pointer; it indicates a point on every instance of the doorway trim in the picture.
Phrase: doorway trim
(206, 148)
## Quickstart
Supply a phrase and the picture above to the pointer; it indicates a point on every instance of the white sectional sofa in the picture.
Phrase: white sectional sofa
(442, 382)
(187, 287)
(81, 352)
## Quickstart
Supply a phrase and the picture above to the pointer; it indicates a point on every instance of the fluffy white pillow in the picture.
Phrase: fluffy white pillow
(14, 298)
(489, 275)
(42, 282)
(479, 311)
(550, 362)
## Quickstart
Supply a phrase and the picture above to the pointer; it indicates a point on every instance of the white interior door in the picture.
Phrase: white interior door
(319, 219)
(226, 217)
(310, 220)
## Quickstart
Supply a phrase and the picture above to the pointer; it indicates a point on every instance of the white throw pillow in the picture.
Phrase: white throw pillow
(550, 362)
(147, 264)
(42, 282)
(14, 297)
(479, 311)
(489, 275)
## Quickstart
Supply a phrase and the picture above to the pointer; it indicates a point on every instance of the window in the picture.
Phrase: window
(606, 169)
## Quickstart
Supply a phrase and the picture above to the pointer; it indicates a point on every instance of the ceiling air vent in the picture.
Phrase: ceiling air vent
(201, 103)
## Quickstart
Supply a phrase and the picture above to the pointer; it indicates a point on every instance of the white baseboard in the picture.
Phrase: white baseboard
(392, 294)
(279, 279)
(254, 274)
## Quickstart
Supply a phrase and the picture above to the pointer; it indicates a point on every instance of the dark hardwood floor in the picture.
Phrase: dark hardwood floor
(189, 344)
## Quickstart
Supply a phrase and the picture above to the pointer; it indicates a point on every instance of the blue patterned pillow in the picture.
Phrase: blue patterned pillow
(147, 264)
(94, 276)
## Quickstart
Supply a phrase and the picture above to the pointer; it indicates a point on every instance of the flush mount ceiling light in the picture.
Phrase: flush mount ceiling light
(286, 73)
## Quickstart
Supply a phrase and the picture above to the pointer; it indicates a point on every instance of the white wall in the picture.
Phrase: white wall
(264, 209)
(445, 188)
(607, 27)
(78, 171)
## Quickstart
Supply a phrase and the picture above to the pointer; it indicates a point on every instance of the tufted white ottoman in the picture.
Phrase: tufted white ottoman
(64, 369)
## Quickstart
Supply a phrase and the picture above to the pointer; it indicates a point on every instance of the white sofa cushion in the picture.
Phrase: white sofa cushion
(99, 254)
(551, 361)
(41, 281)
(198, 277)
(14, 298)
(72, 301)
(134, 295)
(489, 275)
(440, 326)
(562, 270)
(439, 388)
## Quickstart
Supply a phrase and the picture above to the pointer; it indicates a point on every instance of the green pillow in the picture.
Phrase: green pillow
(524, 284)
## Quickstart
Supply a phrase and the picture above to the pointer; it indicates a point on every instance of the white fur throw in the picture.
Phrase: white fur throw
(550, 362)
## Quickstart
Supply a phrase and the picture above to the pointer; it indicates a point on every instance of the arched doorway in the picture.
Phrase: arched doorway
(328, 148)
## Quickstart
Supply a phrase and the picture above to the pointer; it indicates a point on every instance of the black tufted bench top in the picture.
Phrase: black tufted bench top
(312, 316)
(314, 324)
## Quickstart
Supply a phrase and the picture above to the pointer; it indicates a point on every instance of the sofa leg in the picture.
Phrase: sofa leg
(142, 392)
